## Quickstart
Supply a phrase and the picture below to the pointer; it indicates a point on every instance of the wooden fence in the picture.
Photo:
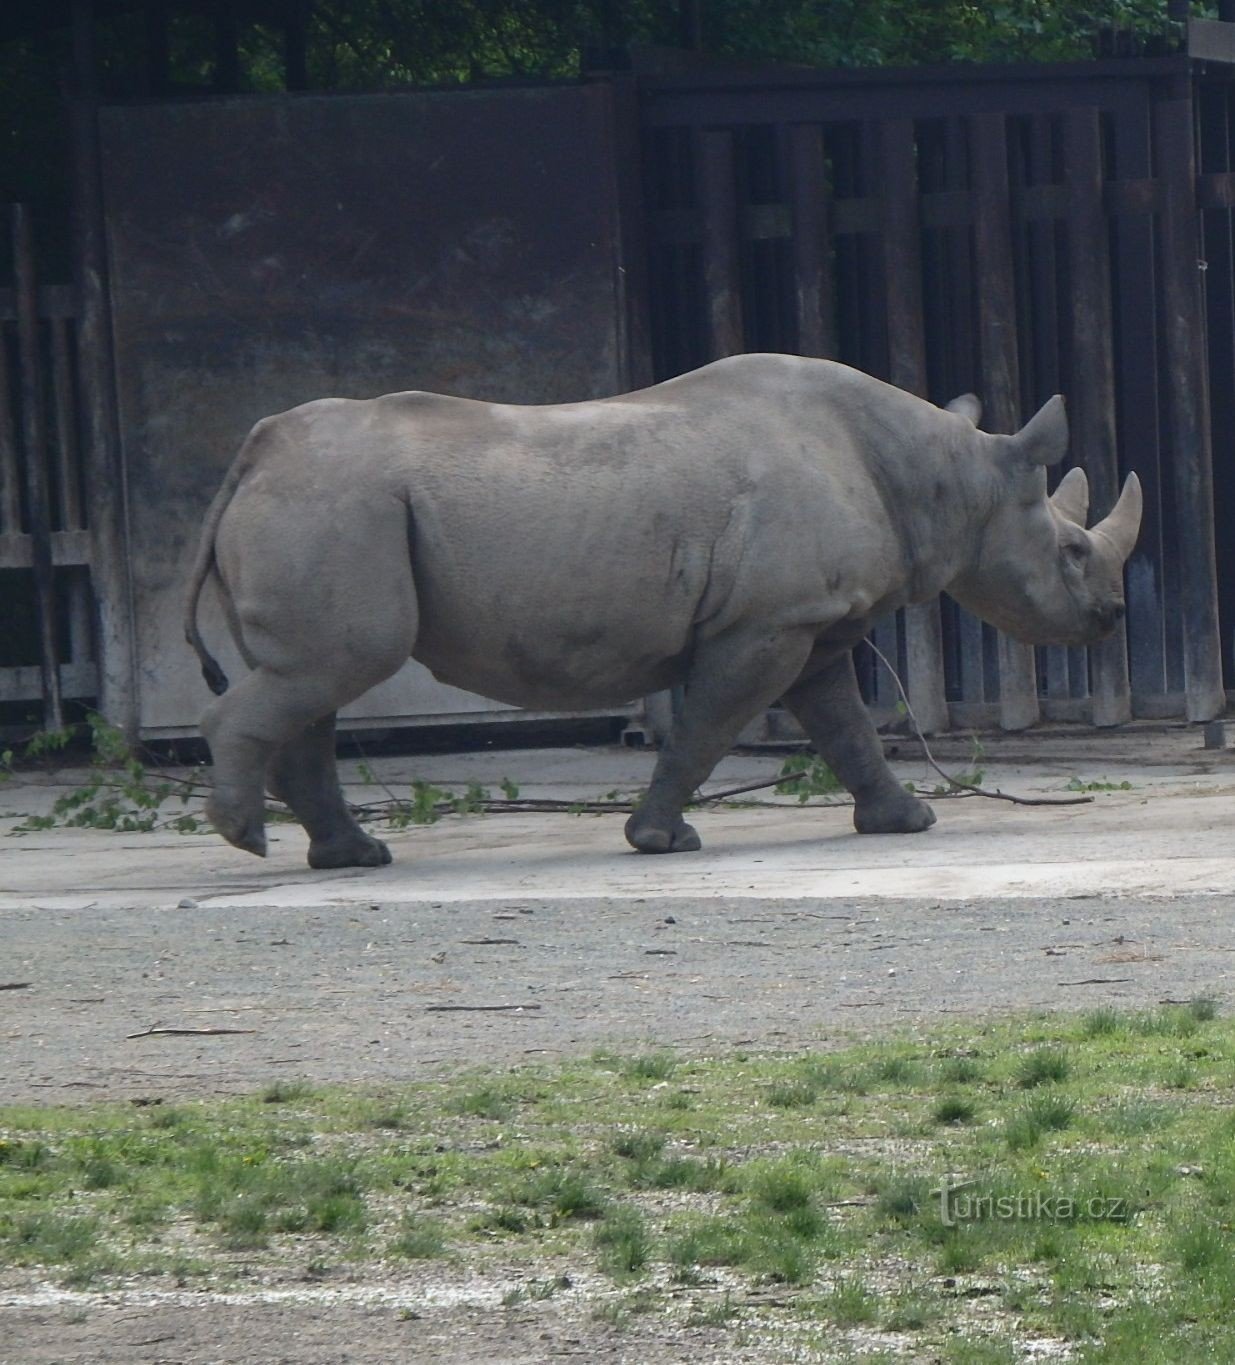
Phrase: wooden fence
(1016, 233)
(47, 652)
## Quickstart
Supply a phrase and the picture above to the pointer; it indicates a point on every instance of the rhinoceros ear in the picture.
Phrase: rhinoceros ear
(967, 405)
(1044, 438)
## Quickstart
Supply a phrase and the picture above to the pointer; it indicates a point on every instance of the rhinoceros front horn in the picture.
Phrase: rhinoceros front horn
(1123, 525)
(1071, 498)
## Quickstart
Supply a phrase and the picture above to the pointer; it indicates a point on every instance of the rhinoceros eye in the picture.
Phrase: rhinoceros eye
(1077, 551)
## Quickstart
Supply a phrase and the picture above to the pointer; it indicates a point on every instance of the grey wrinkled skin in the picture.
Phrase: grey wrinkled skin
(735, 530)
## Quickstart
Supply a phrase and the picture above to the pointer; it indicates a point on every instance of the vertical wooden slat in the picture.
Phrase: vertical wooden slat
(1214, 154)
(1092, 408)
(1187, 411)
(721, 266)
(630, 212)
(902, 256)
(960, 344)
(81, 617)
(102, 464)
(812, 242)
(10, 475)
(68, 454)
(34, 441)
(1137, 381)
(1065, 672)
(1018, 686)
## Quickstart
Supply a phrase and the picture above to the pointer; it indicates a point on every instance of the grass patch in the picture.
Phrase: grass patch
(1075, 1175)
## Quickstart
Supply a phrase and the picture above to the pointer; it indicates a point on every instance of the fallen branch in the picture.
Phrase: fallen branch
(15, 985)
(955, 781)
(475, 1009)
(186, 1032)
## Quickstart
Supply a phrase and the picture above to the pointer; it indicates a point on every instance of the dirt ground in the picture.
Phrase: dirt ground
(788, 929)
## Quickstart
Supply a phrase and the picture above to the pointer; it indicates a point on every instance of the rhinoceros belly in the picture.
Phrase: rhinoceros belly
(539, 654)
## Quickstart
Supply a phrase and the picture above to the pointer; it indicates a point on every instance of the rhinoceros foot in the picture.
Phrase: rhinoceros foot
(649, 837)
(351, 849)
(899, 812)
(245, 832)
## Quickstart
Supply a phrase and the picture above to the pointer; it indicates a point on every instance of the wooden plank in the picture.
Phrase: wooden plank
(67, 547)
(1187, 408)
(68, 453)
(102, 464)
(813, 294)
(1091, 411)
(10, 472)
(1018, 683)
(1214, 152)
(81, 618)
(721, 268)
(34, 441)
(630, 210)
(26, 683)
(1042, 327)
(956, 350)
(902, 246)
(1137, 387)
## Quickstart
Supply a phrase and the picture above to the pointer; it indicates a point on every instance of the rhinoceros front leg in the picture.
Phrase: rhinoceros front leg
(830, 709)
(304, 775)
(732, 679)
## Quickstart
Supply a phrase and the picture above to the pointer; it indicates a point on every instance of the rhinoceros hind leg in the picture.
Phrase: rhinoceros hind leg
(829, 707)
(732, 679)
(303, 774)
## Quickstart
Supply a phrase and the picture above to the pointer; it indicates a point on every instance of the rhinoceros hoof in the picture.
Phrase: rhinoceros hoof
(895, 816)
(348, 850)
(681, 838)
(246, 834)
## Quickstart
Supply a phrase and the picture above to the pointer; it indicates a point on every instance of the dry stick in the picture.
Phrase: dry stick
(954, 781)
(186, 1032)
(475, 1009)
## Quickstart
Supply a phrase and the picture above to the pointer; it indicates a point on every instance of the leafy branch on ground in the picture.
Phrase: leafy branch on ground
(121, 794)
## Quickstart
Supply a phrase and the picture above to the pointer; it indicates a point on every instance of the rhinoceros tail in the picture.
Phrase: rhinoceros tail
(204, 565)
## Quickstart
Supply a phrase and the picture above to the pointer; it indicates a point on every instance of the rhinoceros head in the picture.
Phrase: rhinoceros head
(1040, 575)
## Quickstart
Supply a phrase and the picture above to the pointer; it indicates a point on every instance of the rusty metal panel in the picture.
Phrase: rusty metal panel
(264, 252)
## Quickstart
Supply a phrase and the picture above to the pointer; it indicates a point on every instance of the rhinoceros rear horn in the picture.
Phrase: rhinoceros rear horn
(967, 405)
(1044, 438)
(1123, 525)
(1071, 498)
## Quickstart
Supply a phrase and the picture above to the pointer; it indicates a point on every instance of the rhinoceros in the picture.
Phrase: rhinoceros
(735, 530)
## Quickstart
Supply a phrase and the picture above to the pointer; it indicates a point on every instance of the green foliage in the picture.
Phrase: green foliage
(429, 804)
(804, 776)
(366, 43)
(1078, 785)
(121, 793)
